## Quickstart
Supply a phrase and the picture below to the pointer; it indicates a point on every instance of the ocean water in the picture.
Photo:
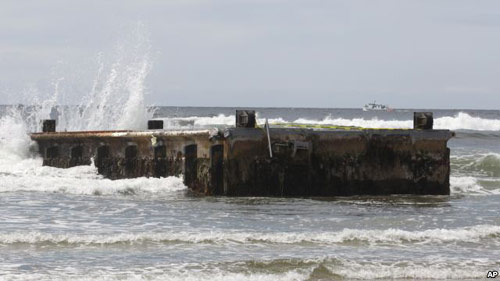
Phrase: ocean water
(72, 224)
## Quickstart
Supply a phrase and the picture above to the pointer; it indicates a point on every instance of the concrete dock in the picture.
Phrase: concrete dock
(247, 160)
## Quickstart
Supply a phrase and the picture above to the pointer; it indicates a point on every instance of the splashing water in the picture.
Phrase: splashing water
(116, 99)
(15, 143)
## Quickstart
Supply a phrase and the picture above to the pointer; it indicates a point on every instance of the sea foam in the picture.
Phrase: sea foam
(21, 170)
(293, 269)
(472, 234)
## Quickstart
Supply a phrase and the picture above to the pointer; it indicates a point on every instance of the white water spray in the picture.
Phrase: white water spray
(115, 100)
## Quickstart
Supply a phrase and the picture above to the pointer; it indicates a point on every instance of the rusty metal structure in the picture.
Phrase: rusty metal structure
(247, 160)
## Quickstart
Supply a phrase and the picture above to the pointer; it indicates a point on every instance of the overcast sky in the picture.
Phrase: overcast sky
(310, 53)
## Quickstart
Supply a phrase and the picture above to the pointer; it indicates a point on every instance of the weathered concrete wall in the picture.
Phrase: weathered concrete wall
(122, 154)
(237, 162)
(331, 163)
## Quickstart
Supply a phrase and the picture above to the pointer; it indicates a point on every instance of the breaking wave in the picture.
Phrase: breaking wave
(473, 234)
(477, 174)
(488, 164)
(474, 186)
(21, 170)
(169, 275)
(294, 269)
(207, 121)
(30, 176)
(485, 164)
(460, 185)
(115, 99)
(461, 121)
(408, 269)
(15, 143)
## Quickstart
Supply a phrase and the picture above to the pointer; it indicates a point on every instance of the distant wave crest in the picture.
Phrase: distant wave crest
(461, 121)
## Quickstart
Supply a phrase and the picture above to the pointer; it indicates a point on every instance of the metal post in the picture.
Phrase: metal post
(48, 125)
(269, 139)
(155, 124)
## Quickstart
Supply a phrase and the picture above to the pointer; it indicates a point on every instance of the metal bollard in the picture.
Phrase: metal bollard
(48, 125)
(155, 124)
(423, 120)
(245, 118)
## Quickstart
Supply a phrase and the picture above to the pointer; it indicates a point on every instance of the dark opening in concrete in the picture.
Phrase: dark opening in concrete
(160, 161)
(52, 152)
(76, 154)
(77, 151)
(217, 170)
(131, 151)
(103, 152)
(131, 159)
(190, 170)
(160, 151)
(103, 162)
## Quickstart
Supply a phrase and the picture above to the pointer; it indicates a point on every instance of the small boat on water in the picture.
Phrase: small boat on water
(376, 107)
